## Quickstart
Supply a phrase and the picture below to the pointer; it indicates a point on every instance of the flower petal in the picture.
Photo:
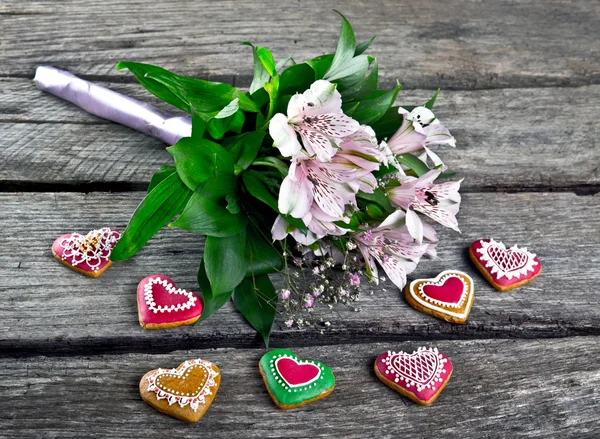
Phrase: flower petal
(438, 134)
(322, 97)
(317, 144)
(406, 139)
(335, 125)
(280, 229)
(283, 135)
(295, 197)
(414, 225)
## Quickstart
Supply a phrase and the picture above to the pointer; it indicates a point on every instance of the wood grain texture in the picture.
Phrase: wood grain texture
(552, 390)
(509, 139)
(50, 308)
(427, 44)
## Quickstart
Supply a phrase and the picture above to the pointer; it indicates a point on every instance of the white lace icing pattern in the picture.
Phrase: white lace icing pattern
(151, 303)
(422, 369)
(93, 248)
(172, 397)
(514, 262)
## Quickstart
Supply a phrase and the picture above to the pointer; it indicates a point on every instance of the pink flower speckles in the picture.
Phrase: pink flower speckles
(316, 115)
(440, 201)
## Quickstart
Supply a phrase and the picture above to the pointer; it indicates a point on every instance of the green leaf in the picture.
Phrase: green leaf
(320, 65)
(364, 88)
(296, 79)
(388, 124)
(164, 172)
(345, 49)
(199, 159)
(208, 217)
(212, 302)
(261, 255)
(281, 64)
(413, 163)
(273, 162)
(261, 75)
(229, 110)
(350, 73)
(165, 201)
(362, 47)
(371, 110)
(217, 127)
(431, 101)
(378, 197)
(258, 190)
(207, 98)
(267, 61)
(256, 299)
(246, 147)
(225, 261)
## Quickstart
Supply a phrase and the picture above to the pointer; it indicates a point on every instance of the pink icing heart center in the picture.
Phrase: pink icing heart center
(450, 291)
(297, 374)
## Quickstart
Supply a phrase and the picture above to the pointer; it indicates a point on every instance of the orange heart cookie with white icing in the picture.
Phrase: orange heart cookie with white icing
(448, 297)
(185, 393)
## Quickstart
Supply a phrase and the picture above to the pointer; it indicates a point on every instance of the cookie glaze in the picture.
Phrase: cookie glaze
(420, 376)
(185, 392)
(293, 382)
(162, 305)
(505, 268)
(87, 254)
(449, 296)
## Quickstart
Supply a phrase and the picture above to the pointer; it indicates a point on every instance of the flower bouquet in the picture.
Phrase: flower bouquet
(313, 167)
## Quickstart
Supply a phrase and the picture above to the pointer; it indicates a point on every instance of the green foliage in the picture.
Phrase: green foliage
(196, 160)
(165, 201)
(225, 262)
(256, 299)
(206, 98)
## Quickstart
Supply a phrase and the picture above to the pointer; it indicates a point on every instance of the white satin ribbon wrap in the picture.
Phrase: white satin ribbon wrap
(113, 106)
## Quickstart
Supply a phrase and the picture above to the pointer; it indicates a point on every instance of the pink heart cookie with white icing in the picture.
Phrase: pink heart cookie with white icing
(448, 297)
(419, 376)
(87, 254)
(504, 268)
(162, 305)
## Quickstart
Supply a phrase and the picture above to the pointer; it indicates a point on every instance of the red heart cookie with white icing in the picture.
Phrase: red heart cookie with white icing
(185, 392)
(162, 305)
(448, 297)
(87, 254)
(419, 376)
(504, 268)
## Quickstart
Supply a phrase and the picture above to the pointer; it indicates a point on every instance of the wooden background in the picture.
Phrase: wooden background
(521, 89)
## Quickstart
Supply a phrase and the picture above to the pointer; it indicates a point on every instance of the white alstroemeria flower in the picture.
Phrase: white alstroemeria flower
(393, 248)
(317, 116)
(439, 201)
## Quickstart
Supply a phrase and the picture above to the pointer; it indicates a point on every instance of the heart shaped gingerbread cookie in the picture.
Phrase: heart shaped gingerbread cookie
(448, 297)
(504, 268)
(87, 254)
(419, 376)
(293, 382)
(162, 305)
(185, 393)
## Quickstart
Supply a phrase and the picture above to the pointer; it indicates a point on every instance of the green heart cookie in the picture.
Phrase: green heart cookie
(293, 382)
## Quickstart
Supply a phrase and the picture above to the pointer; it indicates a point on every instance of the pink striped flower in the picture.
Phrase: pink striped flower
(439, 201)
(393, 248)
(316, 115)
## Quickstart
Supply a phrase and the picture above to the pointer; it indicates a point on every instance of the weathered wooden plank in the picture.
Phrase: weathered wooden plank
(507, 139)
(499, 388)
(49, 308)
(457, 45)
